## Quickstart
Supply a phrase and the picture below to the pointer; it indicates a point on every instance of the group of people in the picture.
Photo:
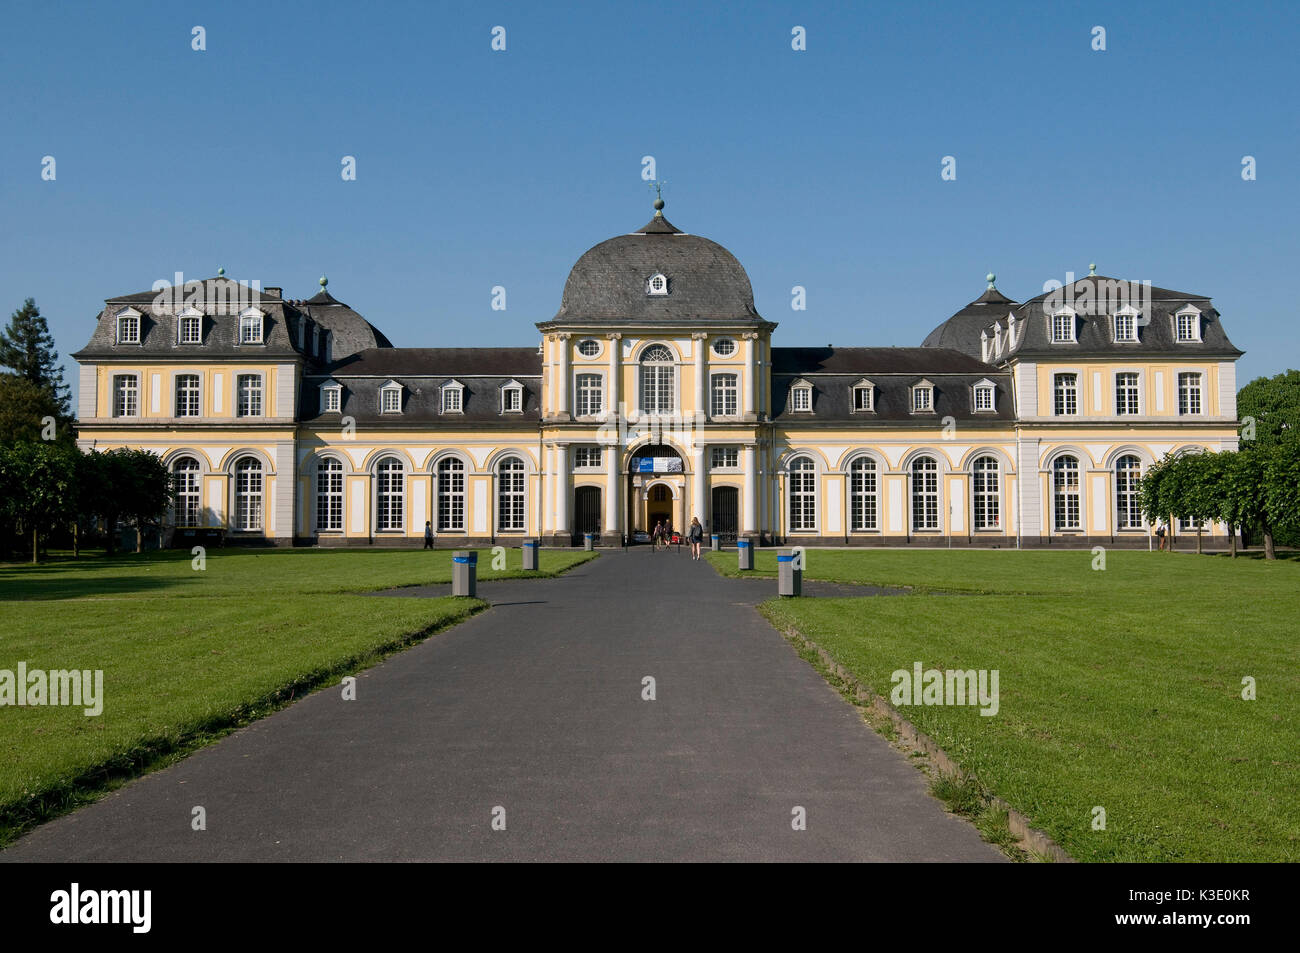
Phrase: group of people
(663, 535)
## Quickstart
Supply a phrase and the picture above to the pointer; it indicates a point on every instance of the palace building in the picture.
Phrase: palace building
(655, 393)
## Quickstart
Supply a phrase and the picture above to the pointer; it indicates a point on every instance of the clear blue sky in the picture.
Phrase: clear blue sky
(818, 168)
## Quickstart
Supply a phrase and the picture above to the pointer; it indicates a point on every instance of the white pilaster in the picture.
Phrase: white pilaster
(697, 485)
(749, 376)
(614, 385)
(612, 481)
(562, 488)
(701, 375)
(749, 522)
(562, 379)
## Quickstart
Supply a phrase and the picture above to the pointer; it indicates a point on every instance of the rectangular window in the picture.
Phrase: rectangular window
(333, 399)
(1066, 395)
(802, 398)
(1126, 393)
(657, 386)
(1125, 327)
(191, 328)
(922, 398)
(586, 457)
(862, 399)
(248, 388)
(983, 398)
(250, 329)
(187, 395)
(1187, 328)
(591, 395)
(128, 329)
(726, 387)
(126, 396)
(451, 400)
(392, 402)
(512, 400)
(1189, 393)
(1062, 328)
(721, 457)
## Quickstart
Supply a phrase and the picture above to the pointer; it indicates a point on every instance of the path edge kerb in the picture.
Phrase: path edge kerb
(1033, 838)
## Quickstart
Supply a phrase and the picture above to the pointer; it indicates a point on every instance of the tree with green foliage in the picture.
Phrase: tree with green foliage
(27, 349)
(28, 412)
(124, 482)
(39, 480)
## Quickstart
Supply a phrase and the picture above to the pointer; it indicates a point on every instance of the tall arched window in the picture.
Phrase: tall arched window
(390, 494)
(1065, 493)
(803, 495)
(451, 494)
(925, 494)
(1128, 506)
(658, 381)
(986, 488)
(510, 495)
(329, 495)
(863, 492)
(185, 483)
(248, 494)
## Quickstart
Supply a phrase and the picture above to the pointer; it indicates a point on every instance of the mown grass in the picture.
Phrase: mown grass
(189, 654)
(1119, 689)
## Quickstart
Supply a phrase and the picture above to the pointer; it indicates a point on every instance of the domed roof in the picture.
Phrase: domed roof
(610, 284)
(961, 332)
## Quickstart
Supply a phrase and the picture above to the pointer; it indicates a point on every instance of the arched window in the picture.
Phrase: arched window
(248, 494)
(987, 492)
(390, 494)
(185, 483)
(658, 381)
(925, 494)
(329, 495)
(863, 494)
(1128, 506)
(803, 495)
(510, 495)
(1065, 493)
(451, 494)
(658, 493)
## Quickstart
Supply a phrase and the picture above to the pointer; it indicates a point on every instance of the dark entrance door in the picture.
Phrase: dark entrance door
(725, 513)
(586, 512)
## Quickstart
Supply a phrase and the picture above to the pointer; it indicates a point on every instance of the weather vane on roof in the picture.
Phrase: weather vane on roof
(658, 186)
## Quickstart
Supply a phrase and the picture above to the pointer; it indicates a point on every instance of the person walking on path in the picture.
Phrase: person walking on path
(428, 535)
(695, 536)
(656, 536)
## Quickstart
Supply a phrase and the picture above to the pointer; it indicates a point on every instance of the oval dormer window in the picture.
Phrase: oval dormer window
(657, 285)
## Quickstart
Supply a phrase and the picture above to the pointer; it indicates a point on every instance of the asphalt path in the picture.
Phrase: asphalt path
(524, 734)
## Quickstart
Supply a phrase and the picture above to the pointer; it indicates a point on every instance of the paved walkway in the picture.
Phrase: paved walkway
(535, 706)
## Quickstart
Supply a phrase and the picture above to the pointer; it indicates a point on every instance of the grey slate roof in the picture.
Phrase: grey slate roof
(875, 360)
(221, 300)
(962, 331)
(706, 284)
(440, 361)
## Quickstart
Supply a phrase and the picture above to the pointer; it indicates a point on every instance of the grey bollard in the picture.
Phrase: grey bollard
(530, 554)
(464, 573)
(716, 543)
(745, 547)
(588, 541)
(789, 580)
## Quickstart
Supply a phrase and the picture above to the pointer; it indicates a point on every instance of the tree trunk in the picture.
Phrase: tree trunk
(139, 538)
(76, 538)
(1233, 531)
(1198, 539)
(1268, 543)
(36, 545)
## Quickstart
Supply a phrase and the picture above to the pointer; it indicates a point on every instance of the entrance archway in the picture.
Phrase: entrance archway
(656, 482)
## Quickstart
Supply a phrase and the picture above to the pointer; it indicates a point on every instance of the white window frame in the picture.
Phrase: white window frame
(390, 392)
(331, 391)
(1194, 314)
(190, 496)
(334, 472)
(858, 521)
(662, 288)
(261, 393)
(256, 319)
(1129, 493)
(985, 388)
(183, 320)
(1132, 314)
(1137, 390)
(135, 317)
(980, 493)
(802, 483)
(863, 387)
(1200, 392)
(801, 390)
(926, 388)
(588, 401)
(727, 394)
(256, 499)
(451, 483)
(395, 498)
(925, 493)
(512, 389)
(1073, 389)
(447, 389)
(583, 457)
(583, 343)
(134, 378)
(719, 457)
(664, 375)
(198, 394)
(512, 494)
(1058, 495)
(724, 354)
(1073, 323)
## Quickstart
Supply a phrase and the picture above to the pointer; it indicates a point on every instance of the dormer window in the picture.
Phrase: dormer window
(1126, 325)
(1063, 326)
(1187, 326)
(331, 397)
(984, 396)
(390, 398)
(250, 326)
(189, 326)
(656, 284)
(453, 397)
(864, 401)
(923, 397)
(801, 397)
(128, 326)
(512, 398)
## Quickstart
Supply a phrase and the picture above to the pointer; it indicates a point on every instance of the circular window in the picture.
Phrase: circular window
(724, 347)
(589, 348)
(657, 285)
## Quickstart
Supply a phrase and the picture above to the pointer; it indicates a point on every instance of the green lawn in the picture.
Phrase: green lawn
(1119, 689)
(189, 654)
